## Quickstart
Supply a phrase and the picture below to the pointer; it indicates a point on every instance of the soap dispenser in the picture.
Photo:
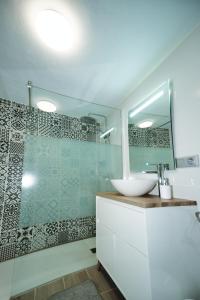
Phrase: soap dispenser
(165, 189)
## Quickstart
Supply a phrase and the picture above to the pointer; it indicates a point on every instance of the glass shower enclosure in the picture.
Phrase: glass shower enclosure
(67, 156)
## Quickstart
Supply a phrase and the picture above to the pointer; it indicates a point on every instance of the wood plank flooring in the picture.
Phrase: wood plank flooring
(103, 282)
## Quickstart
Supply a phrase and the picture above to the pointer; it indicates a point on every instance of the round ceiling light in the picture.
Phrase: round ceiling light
(55, 30)
(46, 106)
(145, 124)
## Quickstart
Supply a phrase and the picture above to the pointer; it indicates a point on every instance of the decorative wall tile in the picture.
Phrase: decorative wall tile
(10, 216)
(32, 121)
(4, 134)
(38, 242)
(5, 113)
(14, 172)
(44, 123)
(1, 197)
(26, 232)
(16, 147)
(56, 126)
(155, 137)
(12, 193)
(3, 173)
(69, 224)
(52, 240)
(4, 146)
(7, 252)
(39, 229)
(1, 215)
(8, 237)
(52, 228)
(23, 247)
(16, 159)
(85, 232)
(73, 234)
(17, 124)
(63, 237)
(63, 225)
(18, 117)
(3, 159)
(16, 136)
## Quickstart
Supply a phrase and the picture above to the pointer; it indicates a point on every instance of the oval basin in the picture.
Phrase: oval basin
(134, 186)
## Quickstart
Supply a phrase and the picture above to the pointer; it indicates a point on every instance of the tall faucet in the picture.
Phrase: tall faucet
(160, 169)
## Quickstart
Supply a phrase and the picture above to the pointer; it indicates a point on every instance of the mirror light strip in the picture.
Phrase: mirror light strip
(146, 104)
(106, 132)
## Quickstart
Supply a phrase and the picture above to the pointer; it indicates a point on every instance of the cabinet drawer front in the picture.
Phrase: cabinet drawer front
(105, 247)
(131, 272)
(105, 213)
(126, 221)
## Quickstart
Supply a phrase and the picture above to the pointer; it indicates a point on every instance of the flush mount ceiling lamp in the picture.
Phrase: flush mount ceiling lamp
(146, 104)
(55, 30)
(46, 106)
(145, 124)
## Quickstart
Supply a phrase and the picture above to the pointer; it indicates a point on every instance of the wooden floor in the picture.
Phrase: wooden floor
(104, 284)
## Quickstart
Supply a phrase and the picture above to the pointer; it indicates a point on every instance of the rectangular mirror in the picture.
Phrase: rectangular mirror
(150, 131)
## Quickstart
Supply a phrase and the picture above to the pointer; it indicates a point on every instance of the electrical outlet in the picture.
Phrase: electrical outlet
(188, 161)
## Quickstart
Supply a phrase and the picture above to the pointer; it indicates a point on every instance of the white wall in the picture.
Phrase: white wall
(183, 68)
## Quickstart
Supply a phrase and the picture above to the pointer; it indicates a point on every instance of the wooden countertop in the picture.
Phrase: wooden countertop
(147, 201)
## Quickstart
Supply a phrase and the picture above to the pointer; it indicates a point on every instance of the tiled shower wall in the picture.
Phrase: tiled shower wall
(16, 121)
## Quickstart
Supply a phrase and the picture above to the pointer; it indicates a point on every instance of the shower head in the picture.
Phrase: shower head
(88, 120)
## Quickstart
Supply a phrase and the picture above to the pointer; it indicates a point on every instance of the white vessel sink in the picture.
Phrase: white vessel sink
(134, 186)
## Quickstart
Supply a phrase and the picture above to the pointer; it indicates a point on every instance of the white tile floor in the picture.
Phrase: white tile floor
(40, 267)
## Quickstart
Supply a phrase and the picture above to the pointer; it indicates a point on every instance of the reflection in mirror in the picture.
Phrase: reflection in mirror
(150, 131)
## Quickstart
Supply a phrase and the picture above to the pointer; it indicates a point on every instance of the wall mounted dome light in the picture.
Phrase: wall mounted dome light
(56, 30)
(46, 106)
(145, 124)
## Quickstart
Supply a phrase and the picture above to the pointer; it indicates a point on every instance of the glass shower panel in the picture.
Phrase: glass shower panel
(61, 178)
(68, 158)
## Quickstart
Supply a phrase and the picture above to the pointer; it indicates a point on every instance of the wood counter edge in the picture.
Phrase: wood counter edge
(146, 201)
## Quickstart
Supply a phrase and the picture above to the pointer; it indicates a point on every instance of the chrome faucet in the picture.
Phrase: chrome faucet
(160, 169)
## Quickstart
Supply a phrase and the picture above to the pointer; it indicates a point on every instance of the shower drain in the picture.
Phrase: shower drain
(93, 250)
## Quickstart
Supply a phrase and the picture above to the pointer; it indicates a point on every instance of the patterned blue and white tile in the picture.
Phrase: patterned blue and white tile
(38, 242)
(23, 247)
(5, 113)
(18, 117)
(32, 121)
(10, 216)
(8, 237)
(52, 240)
(7, 252)
(25, 233)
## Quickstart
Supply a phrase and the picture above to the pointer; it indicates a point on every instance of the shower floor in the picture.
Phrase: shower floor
(38, 268)
(104, 284)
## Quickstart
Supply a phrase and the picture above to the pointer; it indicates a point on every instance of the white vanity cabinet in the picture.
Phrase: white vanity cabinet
(150, 253)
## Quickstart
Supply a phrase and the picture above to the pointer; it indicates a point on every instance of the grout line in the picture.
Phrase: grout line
(63, 282)
(107, 291)
(86, 270)
(35, 293)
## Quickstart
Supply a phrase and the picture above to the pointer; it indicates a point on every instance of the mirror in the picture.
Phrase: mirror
(150, 131)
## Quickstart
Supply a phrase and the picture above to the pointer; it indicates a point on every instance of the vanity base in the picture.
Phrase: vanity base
(152, 253)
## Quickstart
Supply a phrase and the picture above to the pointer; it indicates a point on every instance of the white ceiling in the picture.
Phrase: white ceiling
(122, 40)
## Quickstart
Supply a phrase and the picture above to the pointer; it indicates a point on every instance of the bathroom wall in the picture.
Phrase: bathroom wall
(182, 67)
(19, 233)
